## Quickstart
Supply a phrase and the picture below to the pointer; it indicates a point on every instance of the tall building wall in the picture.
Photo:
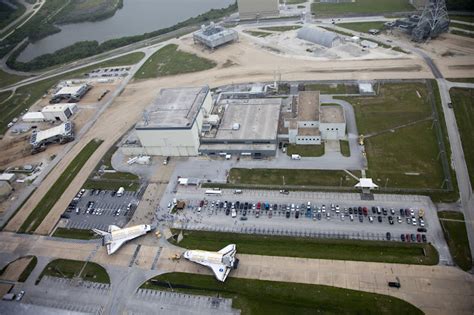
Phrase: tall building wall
(253, 9)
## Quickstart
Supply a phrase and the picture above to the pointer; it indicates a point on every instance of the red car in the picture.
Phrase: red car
(418, 238)
(366, 211)
(201, 203)
(407, 237)
(258, 206)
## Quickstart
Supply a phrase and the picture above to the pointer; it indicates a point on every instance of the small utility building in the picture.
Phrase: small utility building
(213, 36)
(59, 112)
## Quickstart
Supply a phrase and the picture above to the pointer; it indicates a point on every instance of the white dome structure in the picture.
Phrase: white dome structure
(320, 37)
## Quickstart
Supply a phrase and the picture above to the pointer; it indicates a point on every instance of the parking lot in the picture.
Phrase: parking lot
(100, 208)
(109, 72)
(330, 215)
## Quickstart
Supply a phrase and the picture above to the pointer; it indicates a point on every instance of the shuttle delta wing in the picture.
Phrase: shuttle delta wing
(114, 245)
(220, 271)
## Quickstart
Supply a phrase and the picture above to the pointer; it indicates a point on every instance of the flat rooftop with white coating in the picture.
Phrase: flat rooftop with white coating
(257, 119)
(175, 108)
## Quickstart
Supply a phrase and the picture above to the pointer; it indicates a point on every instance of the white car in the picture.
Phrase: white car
(413, 221)
(352, 217)
(20, 295)
(234, 213)
(371, 219)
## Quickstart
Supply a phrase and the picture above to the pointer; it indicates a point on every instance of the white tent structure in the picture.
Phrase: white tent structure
(366, 184)
(319, 36)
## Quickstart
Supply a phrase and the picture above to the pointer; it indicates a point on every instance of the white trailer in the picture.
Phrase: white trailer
(296, 157)
(120, 191)
(213, 192)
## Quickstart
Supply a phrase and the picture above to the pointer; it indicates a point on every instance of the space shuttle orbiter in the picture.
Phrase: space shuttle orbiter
(221, 262)
(116, 237)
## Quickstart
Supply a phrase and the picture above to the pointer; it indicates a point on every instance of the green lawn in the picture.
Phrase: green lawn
(258, 34)
(8, 14)
(170, 61)
(26, 273)
(54, 193)
(281, 28)
(4, 96)
(406, 157)
(363, 27)
(306, 150)
(461, 33)
(345, 148)
(466, 80)
(332, 88)
(77, 234)
(280, 177)
(8, 79)
(65, 268)
(464, 18)
(396, 104)
(259, 297)
(456, 236)
(462, 26)
(377, 251)
(111, 185)
(361, 7)
(27, 95)
(463, 102)
(293, 1)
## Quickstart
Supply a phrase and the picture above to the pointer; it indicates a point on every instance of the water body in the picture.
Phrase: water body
(136, 17)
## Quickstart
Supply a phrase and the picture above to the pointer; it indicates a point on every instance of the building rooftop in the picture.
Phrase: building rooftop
(332, 114)
(308, 106)
(257, 119)
(309, 131)
(63, 129)
(57, 107)
(175, 108)
(70, 89)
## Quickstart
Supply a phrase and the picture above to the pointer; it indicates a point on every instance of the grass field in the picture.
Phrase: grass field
(8, 14)
(290, 177)
(258, 34)
(27, 95)
(361, 7)
(8, 79)
(456, 236)
(293, 1)
(396, 104)
(345, 148)
(258, 297)
(363, 27)
(461, 33)
(54, 193)
(65, 268)
(26, 273)
(111, 185)
(406, 158)
(74, 234)
(462, 26)
(171, 61)
(463, 102)
(377, 251)
(465, 18)
(466, 80)
(305, 150)
(332, 88)
(281, 28)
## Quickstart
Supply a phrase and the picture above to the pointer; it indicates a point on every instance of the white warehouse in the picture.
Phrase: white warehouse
(172, 123)
(59, 112)
(319, 36)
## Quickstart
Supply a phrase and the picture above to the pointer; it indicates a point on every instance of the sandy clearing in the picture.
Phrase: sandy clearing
(15, 269)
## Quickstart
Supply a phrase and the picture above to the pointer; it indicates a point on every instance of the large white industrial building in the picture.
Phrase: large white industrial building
(172, 123)
(59, 112)
(258, 9)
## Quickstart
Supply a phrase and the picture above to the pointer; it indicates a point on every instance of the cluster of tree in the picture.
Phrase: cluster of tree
(74, 13)
(460, 5)
(85, 49)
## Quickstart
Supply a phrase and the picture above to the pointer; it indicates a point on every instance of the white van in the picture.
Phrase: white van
(296, 157)
(238, 191)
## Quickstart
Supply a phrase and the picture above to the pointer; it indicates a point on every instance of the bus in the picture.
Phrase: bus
(214, 192)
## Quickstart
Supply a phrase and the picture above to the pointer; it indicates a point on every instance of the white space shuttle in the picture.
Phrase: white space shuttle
(116, 236)
(221, 262)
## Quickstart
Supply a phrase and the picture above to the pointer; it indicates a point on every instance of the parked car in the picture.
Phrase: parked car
(423, 237)
(402, 237)
(379, 218)
(421, 229)
(388, 236)
(393, 284)
(20, 295)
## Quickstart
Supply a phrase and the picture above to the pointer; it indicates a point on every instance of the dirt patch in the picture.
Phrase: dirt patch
(5, 288)
(15, 269)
